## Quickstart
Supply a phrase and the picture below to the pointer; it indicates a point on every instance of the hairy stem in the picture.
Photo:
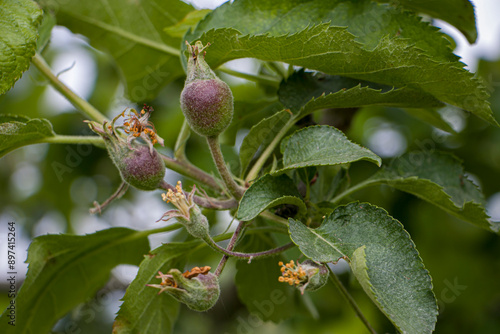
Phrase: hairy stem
(252, 174)
(230, 247)
(351, 300)
(249, 256)
(235, 190)
(225, 236)
(82, 105)
(122, 189)
(187, 169)
(206, 202)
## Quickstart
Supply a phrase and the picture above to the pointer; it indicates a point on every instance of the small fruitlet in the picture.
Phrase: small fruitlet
(198, 288)
(141, 168)
(206, 101)
(187, 213)
(139, 165)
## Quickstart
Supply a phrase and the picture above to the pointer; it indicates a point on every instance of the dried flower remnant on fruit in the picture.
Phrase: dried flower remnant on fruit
(187, 212)
(168, 280)
(198, 288)
(179, 200)
(292, 274)
(196, 271)
(137, 124)
(140, 165)
(307, 275)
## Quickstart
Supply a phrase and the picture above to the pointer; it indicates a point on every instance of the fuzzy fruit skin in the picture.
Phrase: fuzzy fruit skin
(207, 106)
(141, 168)
(199, 293)
(317, 273)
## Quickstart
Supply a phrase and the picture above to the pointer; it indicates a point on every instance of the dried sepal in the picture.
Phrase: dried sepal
(137, 125)
(187, 212)
(180, 201)
(198, 288)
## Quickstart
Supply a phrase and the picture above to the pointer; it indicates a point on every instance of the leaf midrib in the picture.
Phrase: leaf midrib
(126, 34)
(319, 236)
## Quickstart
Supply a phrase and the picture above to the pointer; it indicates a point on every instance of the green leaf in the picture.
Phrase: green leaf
(19, 20)
(305, 92)
(333, 181)
(439, 179)
(143, 309)
(267, 192)
(369, 22)
(362, 40)
(458, 13)
(132, 32)
(17, 131)
(188, 22)
(247, 113)
(383, 258)
(45, 31)
(322, 145)
(66, 270)
(268, 299)
(260, 135)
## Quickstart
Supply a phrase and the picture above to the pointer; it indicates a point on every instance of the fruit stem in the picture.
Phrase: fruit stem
(254, 171)
(187, 169)
(230, 247)
(234, 189)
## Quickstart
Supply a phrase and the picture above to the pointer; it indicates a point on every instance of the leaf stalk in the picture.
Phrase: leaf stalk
(234, 189)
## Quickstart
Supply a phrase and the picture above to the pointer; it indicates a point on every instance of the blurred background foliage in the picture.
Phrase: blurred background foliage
(49, 189)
